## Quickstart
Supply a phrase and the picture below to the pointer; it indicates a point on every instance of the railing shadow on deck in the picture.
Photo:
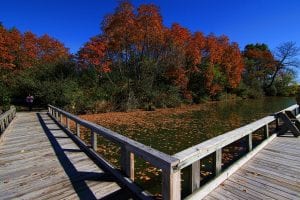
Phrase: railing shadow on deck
(76, 177)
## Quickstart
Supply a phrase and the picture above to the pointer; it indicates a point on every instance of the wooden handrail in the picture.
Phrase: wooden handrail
(6, 118)
(187, 156)
(193, 155)
(129, 148)
(172, 165)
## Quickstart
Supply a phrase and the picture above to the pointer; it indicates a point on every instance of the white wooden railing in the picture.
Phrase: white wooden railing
(129, 148)
(172, 165)
(193, 155)
(5, 119)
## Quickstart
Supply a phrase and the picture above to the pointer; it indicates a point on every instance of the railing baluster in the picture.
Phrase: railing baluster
(250, 146)
(127, 162)
(94, 140)
(195, 176)
(218, 161)
(78, 129)
(266, 131)
(277, 123)
(171, 184)
(67, 123)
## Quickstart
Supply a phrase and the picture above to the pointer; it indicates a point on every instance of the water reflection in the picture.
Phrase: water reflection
(191, 128)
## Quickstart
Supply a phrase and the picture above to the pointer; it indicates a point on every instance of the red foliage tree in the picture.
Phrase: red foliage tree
(94, 53)
(150, 31)
(19, 51)
(50, 50)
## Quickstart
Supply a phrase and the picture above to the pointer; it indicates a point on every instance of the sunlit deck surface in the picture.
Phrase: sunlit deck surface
(39, 161)
(273, 173)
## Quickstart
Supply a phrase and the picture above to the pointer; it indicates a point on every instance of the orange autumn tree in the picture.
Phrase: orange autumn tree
(94, 53)
(140, 54)
(30, 50)
(222, 64)
(195, 51)
(150, 31)
(10, 45)
(19, 51)
(50, 50)
(119, 30)
(177, 43)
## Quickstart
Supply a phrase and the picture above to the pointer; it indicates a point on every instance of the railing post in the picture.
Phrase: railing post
(171, 184)
(127, 162)
(195, 176)
(266, 131)
(67, 123)
(94, 140)
(6, 122)
(78, 129)
(60, 118)
(250, 146)
(277, 123)
(218, 161)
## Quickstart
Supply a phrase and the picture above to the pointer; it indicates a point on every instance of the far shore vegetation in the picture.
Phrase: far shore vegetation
(135, 62)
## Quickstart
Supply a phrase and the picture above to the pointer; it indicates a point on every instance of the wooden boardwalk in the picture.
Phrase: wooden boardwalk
(39, 161)
(273, 173)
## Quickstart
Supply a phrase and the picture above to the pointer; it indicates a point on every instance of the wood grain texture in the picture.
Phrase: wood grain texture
(273, 173)
(39, 161)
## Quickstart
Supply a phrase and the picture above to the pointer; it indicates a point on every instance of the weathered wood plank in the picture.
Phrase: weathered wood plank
(269, 182)
(203, 191)
(171, 185)
(127, 162)
(265, 189)
(195, 176)
(270, 174)
(46, 164)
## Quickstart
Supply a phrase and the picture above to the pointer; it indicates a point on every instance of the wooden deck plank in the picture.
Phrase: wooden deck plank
(265, 189)
(44, 163)
(277, 184)
(273, 173)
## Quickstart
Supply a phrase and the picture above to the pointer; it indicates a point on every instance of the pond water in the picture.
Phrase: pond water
(176, 130)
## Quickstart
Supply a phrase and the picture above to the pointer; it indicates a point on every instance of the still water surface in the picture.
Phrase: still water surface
(172, 132)
(193, 127)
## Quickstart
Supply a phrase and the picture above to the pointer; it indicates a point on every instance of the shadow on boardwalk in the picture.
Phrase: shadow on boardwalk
(77, 178)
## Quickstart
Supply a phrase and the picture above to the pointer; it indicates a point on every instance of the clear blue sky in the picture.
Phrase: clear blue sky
(245, 21)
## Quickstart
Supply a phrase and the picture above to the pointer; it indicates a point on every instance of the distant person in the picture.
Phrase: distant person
(29, 101)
